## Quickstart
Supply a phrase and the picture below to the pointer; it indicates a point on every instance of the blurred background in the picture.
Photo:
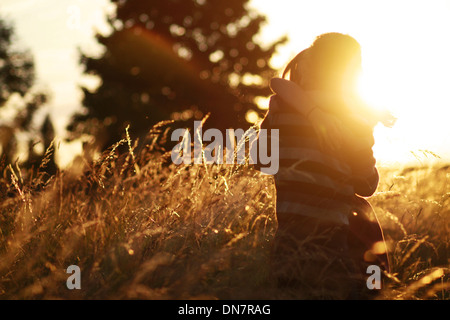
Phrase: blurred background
(80, 71)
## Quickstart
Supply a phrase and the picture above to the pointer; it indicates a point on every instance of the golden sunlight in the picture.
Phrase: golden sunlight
(405, 63)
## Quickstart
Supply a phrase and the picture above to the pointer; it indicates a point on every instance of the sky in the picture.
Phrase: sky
(405, 58)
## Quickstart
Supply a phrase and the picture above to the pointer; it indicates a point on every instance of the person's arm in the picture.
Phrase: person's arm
(359, 155)
(327, 127)
(365, 179)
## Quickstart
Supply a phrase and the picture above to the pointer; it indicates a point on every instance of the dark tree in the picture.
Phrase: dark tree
(175, 59)
(16, 67)
(17, 76)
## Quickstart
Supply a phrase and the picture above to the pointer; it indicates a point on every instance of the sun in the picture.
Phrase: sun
(368, 89)
(405, 65)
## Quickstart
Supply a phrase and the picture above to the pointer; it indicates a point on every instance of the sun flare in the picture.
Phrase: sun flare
(405, 64)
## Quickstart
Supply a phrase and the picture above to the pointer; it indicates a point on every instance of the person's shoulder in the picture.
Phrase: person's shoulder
(278, 105)
(279, 85)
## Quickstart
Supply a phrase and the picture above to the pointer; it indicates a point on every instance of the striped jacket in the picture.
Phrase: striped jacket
(311, 181)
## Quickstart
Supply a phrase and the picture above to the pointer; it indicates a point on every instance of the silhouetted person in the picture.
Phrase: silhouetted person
(326, 167)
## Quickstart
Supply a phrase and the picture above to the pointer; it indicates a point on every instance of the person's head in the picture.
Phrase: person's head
(331, 63)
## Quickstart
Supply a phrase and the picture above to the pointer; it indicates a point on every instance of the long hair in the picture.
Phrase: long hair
(323, 66)
(324, 63)
(293, 68)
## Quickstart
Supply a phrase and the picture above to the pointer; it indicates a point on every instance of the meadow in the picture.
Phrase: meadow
(141, 228)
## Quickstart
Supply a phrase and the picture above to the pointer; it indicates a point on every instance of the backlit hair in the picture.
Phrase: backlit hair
(324, 62)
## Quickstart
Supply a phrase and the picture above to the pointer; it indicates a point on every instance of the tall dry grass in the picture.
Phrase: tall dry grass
(140, 228)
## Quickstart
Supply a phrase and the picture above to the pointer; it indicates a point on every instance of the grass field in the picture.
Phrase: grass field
(140, 229)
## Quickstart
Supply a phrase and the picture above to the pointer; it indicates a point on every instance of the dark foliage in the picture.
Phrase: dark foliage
(17, 75)
(175, 59)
